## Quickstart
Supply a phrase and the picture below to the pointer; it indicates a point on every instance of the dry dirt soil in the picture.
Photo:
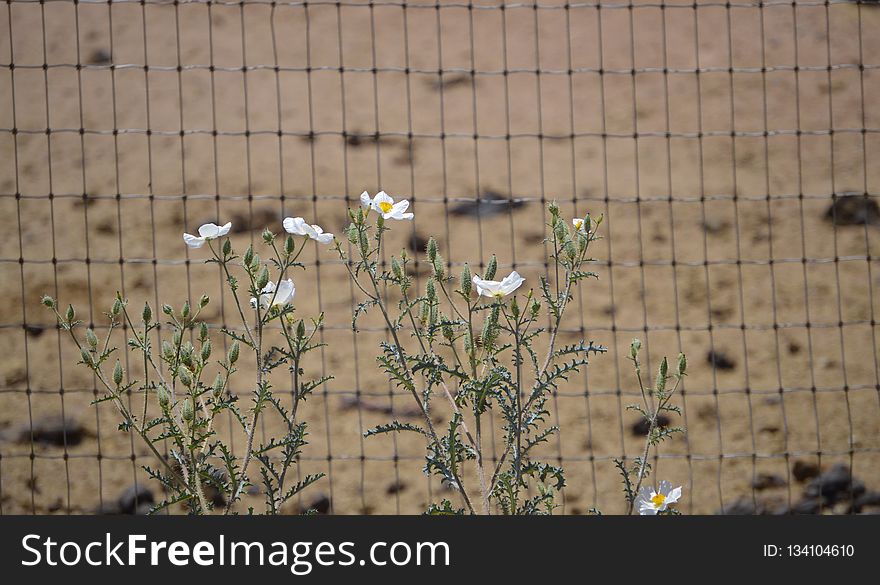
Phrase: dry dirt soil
(712, 139)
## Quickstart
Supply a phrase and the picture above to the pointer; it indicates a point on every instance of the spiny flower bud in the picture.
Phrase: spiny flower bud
(352, 233)
(117, 307)
(71, 314)
(570, 249)
(175, 338)
(300, 330)
(425, 313)
(248, 255)
(203, 302)
(432, 249)
(448, 333)
(227, 247)
(86, 357)
(431, 292)
(268, 236)
(263, 278)
(396, 269)
(289, 245)
(682, 364)
(185, 311)
(232, 357)
(185, 376)
(118, 373)
(91, 338)
(660, 386)
(48, 301)
(439, 269)
(206, 350)
(560, 232)
(466, 280)
(163, 395)
(167, 350)
(553, 208)
(217, 387)
(167, 309)
(186, 352)
(186, 410)
(635, 347)
(203, 331)
(255, 263)
(147, 314)
(491, 268)
(536, 308)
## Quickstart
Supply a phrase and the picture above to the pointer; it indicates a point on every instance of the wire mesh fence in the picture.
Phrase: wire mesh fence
(728, 144)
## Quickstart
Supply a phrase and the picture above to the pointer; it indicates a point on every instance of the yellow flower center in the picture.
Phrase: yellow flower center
(385, 206)
(658, 499)
(578, 223)
(498, 294)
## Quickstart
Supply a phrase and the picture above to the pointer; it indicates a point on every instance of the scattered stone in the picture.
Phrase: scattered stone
(641, 427)
(769, 429)
(836, 484)
(34, 330)
(489, 204)
(853, 210)
(869, 499)
(720, 360)
(395, 487)
(52, 430)
(765, 481)
(714, 224)
(100, 57)
(794, 348)
(134, 499)
(259, 219)
(355, 402)
(806, 506)
(742, 506)
(802, 470)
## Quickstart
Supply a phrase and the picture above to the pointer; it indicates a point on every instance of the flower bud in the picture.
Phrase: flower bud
(432, 249)
(536, 308)
(186, 410)
(553, 208)
(167, 350)
(289, 245)
(206, 350)
(448, 332)
(300, 330)
(431, 292)
(352, 233)
(167, 309)
(203, 302)
(466, 280)
(217, 387)
(248, 256)
(682, 364)
(117, 307)
(396, 270)
(48, 301)
(86, 357)
(660, 386)
(71, 314)
(491, 268)
(439, 268)
(227, 247)
(634, 348)
(147, 314)
(163, 395)
(185, 376)
(232, 356)
(268, 236)
(263, 278)
(91, 338)
(185, 311)
(203, 331)
(118, 373)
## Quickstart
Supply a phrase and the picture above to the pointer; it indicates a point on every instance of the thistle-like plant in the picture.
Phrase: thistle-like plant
(185, 388)
(656, 400)
(481, 348)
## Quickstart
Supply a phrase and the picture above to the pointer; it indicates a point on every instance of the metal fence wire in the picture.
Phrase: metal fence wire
(728, 145)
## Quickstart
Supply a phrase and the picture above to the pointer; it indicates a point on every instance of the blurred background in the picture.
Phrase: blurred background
(732, 148)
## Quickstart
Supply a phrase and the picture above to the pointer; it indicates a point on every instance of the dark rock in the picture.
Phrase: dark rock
(259, 219)
(836, 484)
(853, 210)
(134, 499)
(100, 57)
(53, 430)
(395, 487)
(808, 505)
(742, 506)
(34, 330)
(489, 204)
(417, 243)
(794, 348)
(720, 360)
(869, 499)
(320, 505)
(641, 427)
(765, 481)
(802, 470)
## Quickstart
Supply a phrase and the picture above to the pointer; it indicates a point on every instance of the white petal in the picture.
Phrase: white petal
(193, 241)
(648, 510)
(285, 293)
(295, 226)
(320, 236)
(209, 231)
(224, 229)
(665, 487)
(674, 495)
(366, 201)
(511, 282)
(382, 197)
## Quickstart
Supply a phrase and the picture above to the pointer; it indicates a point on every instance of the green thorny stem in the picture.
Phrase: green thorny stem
(519, 329)
(255, 336)
(652, 411)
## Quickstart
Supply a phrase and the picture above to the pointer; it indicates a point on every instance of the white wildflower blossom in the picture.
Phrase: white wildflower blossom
(209, 231)
(298, 227)
(496, 289)
(650, 501)
(282, 296)
(384, 204)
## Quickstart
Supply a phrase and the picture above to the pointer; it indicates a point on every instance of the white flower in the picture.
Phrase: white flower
(209, 231)
(579, 223)
(650, 501)
(298, 227)
(385, 205)
(493, 288)
(283, 295)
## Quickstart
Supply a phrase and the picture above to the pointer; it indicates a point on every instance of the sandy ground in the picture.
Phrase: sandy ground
(251, 119)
